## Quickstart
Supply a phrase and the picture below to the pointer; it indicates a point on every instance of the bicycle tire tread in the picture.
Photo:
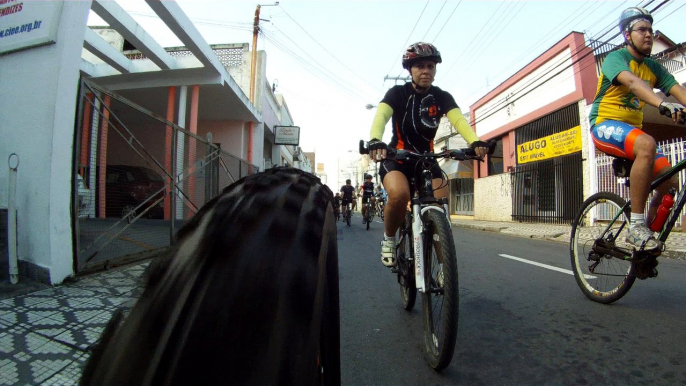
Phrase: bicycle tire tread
(451, 291)
(251, 257)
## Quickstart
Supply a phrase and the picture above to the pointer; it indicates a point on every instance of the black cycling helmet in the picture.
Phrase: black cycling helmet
(631, 14)
(420, 51)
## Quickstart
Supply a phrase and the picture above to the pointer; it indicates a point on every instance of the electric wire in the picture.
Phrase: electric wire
(446, 21)
(408, 39)
(498, 106)
(324, 48)
(435, 18)
(514, 99)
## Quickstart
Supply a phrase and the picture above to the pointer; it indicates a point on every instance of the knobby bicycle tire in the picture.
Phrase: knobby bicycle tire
(249, 295)
(405, 254)
(612, 277)
(440, 311)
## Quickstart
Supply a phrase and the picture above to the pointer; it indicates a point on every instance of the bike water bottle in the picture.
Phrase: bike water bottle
(663, 211)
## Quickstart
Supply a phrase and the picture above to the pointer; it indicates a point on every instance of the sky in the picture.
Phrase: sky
(331, 58)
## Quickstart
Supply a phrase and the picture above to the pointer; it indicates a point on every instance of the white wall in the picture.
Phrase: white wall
(493, 198)
(524, 103)
(38, 90)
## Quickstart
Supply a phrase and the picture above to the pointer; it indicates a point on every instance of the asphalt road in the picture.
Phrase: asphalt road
(518, 323)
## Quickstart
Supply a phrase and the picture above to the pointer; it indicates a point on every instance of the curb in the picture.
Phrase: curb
(557, 236)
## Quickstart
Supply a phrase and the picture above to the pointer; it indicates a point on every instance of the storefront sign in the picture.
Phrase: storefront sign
(25, 24)
(286, 135)
(558, 144)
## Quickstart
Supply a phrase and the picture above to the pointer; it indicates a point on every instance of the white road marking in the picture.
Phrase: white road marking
(567, 271)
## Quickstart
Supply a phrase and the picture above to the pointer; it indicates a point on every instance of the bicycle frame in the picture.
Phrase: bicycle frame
(423, 202)
(679, 202)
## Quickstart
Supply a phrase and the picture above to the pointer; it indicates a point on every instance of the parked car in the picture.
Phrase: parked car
(128, 186)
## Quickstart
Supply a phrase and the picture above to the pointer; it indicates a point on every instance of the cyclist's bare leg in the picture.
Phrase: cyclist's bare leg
(661, 191)
(398, 189)
(642, 172)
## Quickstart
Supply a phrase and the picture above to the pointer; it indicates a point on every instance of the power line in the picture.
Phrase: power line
(494, 110)
(446, 22)
(499, 106)
(324, 48)
(408, 38)
(435, 18)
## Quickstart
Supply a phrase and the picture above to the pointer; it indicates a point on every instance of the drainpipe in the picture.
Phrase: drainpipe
(13, 162)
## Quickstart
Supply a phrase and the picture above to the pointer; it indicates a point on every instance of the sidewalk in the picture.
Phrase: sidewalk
(47, 333)
(46, 336)
(675, 248)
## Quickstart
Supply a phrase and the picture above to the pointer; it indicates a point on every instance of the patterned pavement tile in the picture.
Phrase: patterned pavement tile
(45, 336)
(28, 358)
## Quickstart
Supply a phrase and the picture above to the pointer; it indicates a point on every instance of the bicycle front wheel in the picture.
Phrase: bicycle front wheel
(405, 256)
(601, 223)
(440, 300)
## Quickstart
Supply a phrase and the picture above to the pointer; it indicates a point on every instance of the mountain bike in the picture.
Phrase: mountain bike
(380, 204)
(606, 266)
(369, 210)
(348, 214)
(248, 295)
(426, 256)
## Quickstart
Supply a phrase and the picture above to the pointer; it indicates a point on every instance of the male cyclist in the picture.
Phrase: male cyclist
(347, 191)
(367, 192)
(416, 109)
(626, 84)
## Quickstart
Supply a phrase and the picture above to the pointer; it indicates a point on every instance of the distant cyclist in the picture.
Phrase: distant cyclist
(628, 77)
(416, 109)
(367, 192)
(337, 205)
(347, 192)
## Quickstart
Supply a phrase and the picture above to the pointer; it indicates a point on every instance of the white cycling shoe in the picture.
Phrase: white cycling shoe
(388, 252)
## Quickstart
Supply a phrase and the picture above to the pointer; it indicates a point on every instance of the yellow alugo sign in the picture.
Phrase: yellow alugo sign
(558, 144)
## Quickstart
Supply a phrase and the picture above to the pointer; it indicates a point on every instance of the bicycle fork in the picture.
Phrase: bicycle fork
(418, 242)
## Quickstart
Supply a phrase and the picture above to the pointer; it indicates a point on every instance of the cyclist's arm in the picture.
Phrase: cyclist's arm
(384, 112)
(639, 88)
(458, 121)
(679, 92)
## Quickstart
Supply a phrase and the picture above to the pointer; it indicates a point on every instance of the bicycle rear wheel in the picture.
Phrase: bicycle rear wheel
(601, 277)
(405, 256)
(248, 295)
(440, 300)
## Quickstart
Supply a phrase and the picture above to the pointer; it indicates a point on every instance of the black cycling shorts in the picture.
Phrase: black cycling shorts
(409, 168)
(365, 199)
(346, 201)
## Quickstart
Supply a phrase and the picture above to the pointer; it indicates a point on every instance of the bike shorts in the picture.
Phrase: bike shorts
(346, 201)
(365, 199)
(617, 139)
(411, 169)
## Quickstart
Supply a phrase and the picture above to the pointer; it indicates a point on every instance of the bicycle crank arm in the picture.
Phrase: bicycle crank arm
(602, 249)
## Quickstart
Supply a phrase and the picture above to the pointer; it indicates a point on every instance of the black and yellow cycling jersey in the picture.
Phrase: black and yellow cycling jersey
(416, 117)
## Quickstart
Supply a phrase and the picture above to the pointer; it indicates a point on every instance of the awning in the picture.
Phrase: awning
(458, 169)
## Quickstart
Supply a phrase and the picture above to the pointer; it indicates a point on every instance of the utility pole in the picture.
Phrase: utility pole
(253, 67)
(397, 78)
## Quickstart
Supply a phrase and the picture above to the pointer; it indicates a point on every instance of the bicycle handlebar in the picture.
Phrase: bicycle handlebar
(456, 154)
(666, 113)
